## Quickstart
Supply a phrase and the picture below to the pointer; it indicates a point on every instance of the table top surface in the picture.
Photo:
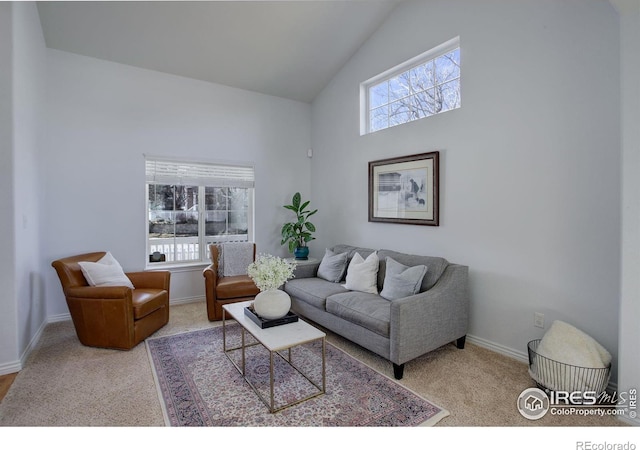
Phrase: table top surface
(302, 262)
(276, 338)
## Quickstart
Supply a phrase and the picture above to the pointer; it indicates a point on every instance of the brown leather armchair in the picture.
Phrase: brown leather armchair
(114, 316)
(231, 287)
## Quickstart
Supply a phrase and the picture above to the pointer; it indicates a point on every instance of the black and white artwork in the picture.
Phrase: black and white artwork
(404, 190)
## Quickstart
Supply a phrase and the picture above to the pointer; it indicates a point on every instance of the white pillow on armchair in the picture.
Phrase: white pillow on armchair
(105, 272)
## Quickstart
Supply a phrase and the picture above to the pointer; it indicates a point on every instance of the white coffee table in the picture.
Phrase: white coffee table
(275, 340)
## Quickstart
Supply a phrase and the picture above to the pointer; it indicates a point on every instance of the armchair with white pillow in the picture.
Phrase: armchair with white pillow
(111, 308)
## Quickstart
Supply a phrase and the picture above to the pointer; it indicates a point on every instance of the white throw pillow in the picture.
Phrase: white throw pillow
(362, 274)
(566, 346)
(109, 260)
(569, 345)
(105, 272)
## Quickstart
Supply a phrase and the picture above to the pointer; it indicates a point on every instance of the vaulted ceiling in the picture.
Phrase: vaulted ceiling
(289, 49)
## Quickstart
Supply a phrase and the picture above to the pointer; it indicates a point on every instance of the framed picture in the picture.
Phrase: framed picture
(405, 189)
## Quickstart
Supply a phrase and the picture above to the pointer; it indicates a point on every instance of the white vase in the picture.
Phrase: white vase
(272, 304)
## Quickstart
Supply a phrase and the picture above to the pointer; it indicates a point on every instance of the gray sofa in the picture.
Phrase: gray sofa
(400, 329)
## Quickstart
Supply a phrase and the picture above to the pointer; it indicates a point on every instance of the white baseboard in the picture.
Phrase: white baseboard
(58, 318)
(16, 366)
(182, 301)
(32, 344)
(498, 348)
(10, 367)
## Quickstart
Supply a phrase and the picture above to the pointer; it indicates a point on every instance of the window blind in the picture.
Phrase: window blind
(160, 171)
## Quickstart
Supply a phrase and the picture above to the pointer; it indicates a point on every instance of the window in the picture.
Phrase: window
(421, 87)
(191, 205)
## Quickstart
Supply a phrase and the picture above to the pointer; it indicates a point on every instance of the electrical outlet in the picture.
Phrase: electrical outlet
(538, 320)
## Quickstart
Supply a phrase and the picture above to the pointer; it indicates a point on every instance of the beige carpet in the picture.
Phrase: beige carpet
(67, 384)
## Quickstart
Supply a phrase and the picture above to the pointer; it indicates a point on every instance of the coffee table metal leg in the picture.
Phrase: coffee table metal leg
(324, 372)
(243, 357)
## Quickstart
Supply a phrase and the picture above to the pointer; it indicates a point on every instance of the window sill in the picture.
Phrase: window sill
(177, 267)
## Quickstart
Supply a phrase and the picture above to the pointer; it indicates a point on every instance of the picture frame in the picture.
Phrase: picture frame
(405, 189)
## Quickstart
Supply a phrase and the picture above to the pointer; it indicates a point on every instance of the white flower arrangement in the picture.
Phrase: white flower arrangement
(270, 272)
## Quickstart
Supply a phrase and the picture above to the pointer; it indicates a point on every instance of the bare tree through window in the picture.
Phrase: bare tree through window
(422, 91)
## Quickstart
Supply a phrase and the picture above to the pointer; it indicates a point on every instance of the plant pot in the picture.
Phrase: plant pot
(272, 304)
(301, 253)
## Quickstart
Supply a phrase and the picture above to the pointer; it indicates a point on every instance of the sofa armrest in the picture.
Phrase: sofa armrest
(210, 278)
(210, 275)
(153, 279)
(306, 270)
(428, 320)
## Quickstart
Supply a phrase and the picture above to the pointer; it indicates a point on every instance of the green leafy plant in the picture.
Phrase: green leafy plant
(298, 233)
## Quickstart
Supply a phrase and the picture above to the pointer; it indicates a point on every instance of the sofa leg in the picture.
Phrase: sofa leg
(460, 342)
(398, 371)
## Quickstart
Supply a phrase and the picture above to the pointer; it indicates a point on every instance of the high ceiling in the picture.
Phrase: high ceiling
(289, 49)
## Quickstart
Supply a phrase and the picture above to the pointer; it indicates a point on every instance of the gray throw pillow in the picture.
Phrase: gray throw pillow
(332, 266)
(401, 281)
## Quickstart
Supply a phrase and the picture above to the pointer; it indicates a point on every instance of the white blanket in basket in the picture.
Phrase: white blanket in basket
(566, 344)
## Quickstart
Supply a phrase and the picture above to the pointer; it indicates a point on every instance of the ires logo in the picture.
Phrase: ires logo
(534, 403)
(586, 398)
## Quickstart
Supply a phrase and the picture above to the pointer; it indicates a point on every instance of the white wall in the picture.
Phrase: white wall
(630, 306)
(28, 98)
(103, 117)
(21, 96)
(530, 165)
(8, 318)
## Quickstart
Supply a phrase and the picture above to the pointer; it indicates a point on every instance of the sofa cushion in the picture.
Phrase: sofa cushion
(333, 266)
(402, 281)
(435, 266)
(362, 274)
(370, 311)
(313, 291)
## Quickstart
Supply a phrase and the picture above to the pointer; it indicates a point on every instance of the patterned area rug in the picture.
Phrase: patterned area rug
(199, 386)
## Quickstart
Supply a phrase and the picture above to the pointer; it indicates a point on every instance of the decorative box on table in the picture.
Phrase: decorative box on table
(268, 323)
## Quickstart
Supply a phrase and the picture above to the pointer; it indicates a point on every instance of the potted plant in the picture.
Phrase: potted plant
(297, 234)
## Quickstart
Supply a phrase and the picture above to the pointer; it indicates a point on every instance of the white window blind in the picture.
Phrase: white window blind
(159, 171)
